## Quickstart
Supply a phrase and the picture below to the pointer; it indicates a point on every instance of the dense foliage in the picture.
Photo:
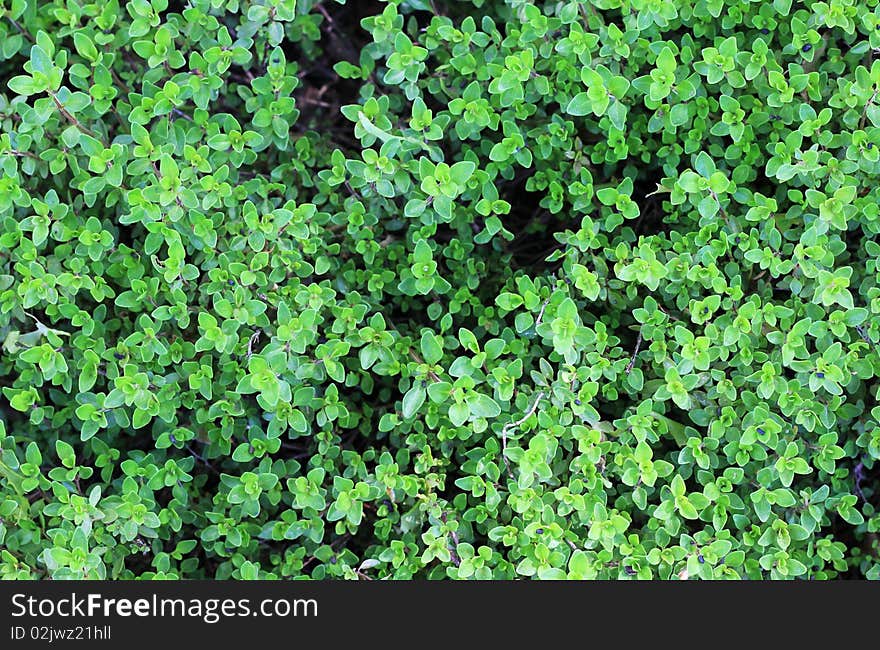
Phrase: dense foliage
(484, 289)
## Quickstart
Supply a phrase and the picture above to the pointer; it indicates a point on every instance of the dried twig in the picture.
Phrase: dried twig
(70, 118)
(867, 339)
(20, 154)
(180, 113)
(201, 458)
(21, 29)
(541, 313)
(859, 477)
(632, 362)
(511, 425)
(252, 341)
(453, 551)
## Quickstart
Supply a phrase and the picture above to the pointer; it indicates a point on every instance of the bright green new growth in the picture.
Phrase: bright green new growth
(450, 290)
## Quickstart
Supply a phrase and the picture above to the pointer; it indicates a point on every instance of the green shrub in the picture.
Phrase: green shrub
(448, 290)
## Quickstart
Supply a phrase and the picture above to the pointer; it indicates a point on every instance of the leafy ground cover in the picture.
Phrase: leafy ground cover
(448, 290)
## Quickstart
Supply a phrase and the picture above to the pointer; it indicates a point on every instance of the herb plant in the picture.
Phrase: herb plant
(447, 290)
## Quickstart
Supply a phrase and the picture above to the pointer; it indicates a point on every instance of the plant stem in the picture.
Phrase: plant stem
(70, 118)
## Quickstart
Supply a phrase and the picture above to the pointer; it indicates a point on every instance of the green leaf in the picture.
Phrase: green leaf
(508, 301)
(85, 46)
(580, 104)
(87, 377)
(65, 453)
(412, 401)
(23, 85)
(462, 171)
(432, 347)
(33, 455)
(482, 406)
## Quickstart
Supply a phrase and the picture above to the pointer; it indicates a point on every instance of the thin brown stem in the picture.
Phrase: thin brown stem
(632, 362)
(541, 313)
(70, 118)
(21, 154)
(865, 112)
(453, 550)
(21, 29)
(415, 357)
(513, 425)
